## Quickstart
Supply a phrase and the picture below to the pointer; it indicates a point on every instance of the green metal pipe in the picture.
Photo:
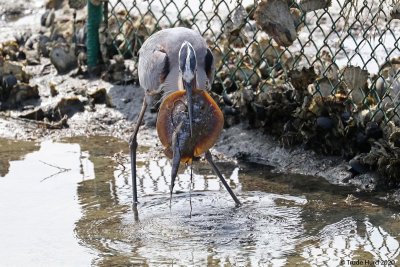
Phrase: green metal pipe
(95, 14)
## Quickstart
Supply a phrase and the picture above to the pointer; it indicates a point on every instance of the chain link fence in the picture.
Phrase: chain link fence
(322, 73)
(350, 34)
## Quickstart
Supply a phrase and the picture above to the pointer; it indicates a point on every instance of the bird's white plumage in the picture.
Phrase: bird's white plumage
(188, 74)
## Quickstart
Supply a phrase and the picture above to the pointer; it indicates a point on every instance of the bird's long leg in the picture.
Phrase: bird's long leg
(132, 146)
(215, 168)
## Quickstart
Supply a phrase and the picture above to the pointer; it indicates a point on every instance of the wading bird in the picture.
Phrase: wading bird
(176, 63)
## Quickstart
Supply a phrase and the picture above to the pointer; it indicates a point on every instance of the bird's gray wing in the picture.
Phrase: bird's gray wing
(153, 68)
(209, 66)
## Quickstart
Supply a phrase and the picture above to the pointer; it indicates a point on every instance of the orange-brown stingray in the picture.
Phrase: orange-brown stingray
(207, 124)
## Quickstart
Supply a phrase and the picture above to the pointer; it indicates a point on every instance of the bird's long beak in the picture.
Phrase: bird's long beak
(176, 156)
(189, 92)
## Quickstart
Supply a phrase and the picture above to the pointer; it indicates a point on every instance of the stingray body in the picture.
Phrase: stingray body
(173, 124)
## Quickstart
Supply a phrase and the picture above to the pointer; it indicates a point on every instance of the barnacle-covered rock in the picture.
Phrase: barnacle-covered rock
(333, 104)
(386, 160)
(274, 17)
(312, 5)
(9, 50)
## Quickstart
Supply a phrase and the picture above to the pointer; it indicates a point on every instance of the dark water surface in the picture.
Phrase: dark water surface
(69, 204)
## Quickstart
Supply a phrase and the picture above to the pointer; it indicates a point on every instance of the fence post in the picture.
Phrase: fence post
(92, 41)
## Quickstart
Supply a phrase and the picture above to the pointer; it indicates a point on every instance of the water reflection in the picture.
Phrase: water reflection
(13, 150)
(38, 206)
(285, 220)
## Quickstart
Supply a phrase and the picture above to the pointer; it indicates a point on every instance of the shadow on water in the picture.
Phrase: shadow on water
(82, 193)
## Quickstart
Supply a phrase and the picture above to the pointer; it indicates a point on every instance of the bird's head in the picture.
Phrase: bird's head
(188, 68)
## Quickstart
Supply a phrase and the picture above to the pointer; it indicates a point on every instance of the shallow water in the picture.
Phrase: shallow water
(69, 203)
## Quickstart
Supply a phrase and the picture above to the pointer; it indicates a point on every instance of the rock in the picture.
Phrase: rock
(68, 106)
(300, 79)
(372, 130)
(9, 81)
(227, 99)
(325, 122)
(248, 74)
(80, 36)
(395, 139)
(37, 114)
(96, 2)
(47, 18)
(395, 13)
(100, 96)
(32, 57)
(56, 4)
(15, 68)
(229, 110)
(274, 17)
(62, 56)
(21, 92)
(22, 37)
(357, 166)
(53, 89)
(31, 41)
(361, 139)
(345, 116)
(77, 4)
(312, 5)
(44, 45)
(10, 50)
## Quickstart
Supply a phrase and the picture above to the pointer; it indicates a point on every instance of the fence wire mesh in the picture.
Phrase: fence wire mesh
(333, 41)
